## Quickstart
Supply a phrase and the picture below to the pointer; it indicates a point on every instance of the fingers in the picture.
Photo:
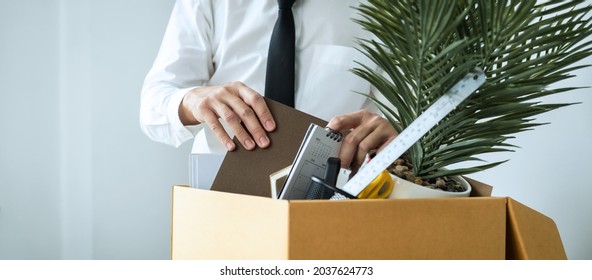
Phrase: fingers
(234, 121)
(347, 121)
(368, 132)
(357, 144)
(257, 103)
(243, 109)
(211, 120)
(255, 116)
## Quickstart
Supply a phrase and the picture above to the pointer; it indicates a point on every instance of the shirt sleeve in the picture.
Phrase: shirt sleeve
(184, 62)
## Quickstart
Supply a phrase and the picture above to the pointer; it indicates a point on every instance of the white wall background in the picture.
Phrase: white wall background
(79, 180)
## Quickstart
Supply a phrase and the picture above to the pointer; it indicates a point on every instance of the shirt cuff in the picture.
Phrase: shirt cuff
(182, 133)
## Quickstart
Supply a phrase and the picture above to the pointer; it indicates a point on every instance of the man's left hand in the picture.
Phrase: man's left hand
(367, 132)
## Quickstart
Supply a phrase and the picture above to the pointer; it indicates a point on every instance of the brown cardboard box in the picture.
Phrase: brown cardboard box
(238, 220)
(220, 225)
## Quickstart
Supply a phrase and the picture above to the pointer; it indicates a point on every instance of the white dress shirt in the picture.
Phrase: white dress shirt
(214, 42)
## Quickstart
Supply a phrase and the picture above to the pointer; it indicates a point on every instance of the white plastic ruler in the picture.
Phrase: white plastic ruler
(420, 126)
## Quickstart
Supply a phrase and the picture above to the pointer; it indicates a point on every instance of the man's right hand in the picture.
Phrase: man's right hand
(236, 104)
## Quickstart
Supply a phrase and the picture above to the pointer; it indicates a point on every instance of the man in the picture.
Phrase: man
(209, 76)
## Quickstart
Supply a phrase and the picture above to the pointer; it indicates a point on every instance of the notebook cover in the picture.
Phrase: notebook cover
(247, 172)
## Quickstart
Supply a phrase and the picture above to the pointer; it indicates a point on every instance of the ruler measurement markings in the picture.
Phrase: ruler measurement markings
(420, 126)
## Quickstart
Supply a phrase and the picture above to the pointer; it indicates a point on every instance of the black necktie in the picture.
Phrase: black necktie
(279, 79)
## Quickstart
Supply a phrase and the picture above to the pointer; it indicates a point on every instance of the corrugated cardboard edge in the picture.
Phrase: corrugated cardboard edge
(531, 235)
(227, 240)
(173, 215)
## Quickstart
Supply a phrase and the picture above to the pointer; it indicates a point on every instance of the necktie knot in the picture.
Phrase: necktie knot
(285, 4)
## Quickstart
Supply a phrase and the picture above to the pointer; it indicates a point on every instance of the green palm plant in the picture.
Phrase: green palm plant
(422, 48)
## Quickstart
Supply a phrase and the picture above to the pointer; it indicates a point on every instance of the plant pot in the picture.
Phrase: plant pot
(406, 189)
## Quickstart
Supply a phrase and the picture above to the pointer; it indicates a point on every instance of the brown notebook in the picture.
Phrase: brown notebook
(247, 172)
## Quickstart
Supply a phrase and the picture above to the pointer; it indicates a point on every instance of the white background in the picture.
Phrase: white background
(79, 180)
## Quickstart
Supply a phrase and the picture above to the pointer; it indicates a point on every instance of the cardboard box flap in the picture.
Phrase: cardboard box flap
(398, 229)
(531, 235)
(211, 225)
(478, 188)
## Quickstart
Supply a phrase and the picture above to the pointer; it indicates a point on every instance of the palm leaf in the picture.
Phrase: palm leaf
(422, 48)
